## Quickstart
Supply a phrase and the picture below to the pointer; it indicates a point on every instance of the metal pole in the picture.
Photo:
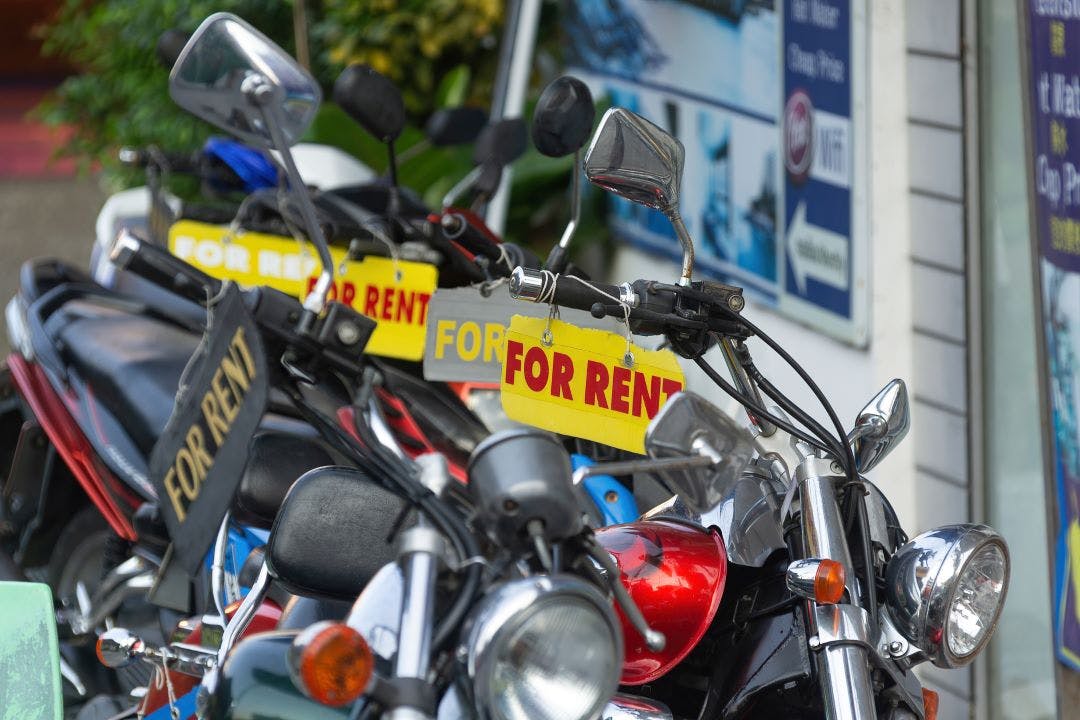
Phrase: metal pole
(511, 86)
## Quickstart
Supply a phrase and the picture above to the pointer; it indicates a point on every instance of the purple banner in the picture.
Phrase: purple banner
(1054, 60)
(1054, 27)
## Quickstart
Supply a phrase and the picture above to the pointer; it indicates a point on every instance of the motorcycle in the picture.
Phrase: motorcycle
(823, 606)
(777, 580)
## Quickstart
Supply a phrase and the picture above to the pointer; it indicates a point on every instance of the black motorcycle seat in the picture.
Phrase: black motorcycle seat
(333, 533)
(275, 461)
(133, 362)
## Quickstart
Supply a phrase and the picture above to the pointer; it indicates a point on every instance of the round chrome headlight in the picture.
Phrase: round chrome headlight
(945, 590)
(543, 648)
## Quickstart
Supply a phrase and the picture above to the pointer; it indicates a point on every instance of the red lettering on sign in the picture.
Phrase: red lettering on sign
(371, 301)
(348, 294)
(671, 387)
(536, 358)
(562, 371)
(405, 306)
(596, 382)
(620, 389)
(424, 298)
(388, 295)
(646, 396)
(513, 360)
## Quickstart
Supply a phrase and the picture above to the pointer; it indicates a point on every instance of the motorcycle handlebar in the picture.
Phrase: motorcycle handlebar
(161, 267)
(173, 161)
(563, 290)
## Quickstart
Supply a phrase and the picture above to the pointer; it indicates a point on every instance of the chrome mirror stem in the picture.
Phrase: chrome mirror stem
(575, 203)
(314, 303)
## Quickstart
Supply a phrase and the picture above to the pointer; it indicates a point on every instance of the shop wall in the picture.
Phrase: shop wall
(849, 376)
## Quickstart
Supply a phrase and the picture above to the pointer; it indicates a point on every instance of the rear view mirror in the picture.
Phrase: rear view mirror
(231, 75)
(881, 425)
(563, 117)
(689, 425)
(455, 126)
(633, 158)
(372, 100)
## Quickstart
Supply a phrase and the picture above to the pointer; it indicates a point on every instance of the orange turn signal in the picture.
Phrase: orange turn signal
(829, 582)
(930, 704)
(335, 665)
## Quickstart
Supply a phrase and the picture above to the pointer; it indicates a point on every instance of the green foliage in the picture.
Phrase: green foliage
(441, 53)
(418, 44)
(121, 95)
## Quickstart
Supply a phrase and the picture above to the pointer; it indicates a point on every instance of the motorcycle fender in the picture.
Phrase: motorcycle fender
(29, 652)
(255, 682)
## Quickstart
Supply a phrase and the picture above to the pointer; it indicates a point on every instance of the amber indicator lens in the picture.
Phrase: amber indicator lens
(336, 665)
(829, 582)
(930, 704)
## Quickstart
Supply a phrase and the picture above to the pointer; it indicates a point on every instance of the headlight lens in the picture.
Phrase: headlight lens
(975, 605)
(945, 591)
(541, 648)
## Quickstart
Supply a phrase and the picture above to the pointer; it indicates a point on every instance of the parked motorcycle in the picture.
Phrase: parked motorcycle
(823, 606)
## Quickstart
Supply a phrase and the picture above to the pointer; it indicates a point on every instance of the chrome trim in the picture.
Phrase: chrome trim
(18, 331)
(420, 550)
(846, 691)
(843, 625)
(217, 569)
(631, 707)
(921, 578)
(244, 614)
(526, 284)
(502, 611)
(881, 425)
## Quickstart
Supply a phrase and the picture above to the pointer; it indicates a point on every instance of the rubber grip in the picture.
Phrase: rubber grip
(572, 292)
(161, 267)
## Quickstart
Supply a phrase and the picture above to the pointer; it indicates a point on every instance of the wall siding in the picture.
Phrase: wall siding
(937, 198)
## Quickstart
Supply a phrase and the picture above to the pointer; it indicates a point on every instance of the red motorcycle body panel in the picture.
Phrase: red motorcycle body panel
(73, 447)
(675, 572)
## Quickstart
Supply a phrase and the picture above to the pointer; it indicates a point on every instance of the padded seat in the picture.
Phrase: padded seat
(133, 362)
(275, 461)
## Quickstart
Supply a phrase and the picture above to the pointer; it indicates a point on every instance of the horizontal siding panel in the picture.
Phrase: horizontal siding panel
(936, 160)
(940, 503)
(957, 682)
(940, 442)
(937, 231)
(940, 373)
(939, 301)
(934, 93)
(934, 26)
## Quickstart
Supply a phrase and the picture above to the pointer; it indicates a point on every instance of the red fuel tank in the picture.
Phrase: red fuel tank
(675, 572)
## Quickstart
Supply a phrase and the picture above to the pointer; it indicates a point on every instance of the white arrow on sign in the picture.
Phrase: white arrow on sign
(816, 252)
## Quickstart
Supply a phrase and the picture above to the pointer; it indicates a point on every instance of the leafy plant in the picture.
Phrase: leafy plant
(419, 44)
(120, 96)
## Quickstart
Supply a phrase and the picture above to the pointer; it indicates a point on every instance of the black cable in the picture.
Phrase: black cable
(754, 407)
(793, 410)
(389, 471)
(847, 459)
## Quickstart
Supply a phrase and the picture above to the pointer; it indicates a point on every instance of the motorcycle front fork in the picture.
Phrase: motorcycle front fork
(840, 634)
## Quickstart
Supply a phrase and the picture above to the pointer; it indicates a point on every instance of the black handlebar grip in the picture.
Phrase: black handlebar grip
(569, 291)
(161, 267)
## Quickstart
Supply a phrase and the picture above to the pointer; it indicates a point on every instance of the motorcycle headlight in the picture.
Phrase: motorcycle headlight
(543, 648)
(945, 590)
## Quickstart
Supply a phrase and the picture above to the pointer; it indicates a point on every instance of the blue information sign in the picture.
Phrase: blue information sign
(762, 95)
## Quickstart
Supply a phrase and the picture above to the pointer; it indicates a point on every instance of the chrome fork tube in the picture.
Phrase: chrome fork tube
(421, 548)
(843, 663)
